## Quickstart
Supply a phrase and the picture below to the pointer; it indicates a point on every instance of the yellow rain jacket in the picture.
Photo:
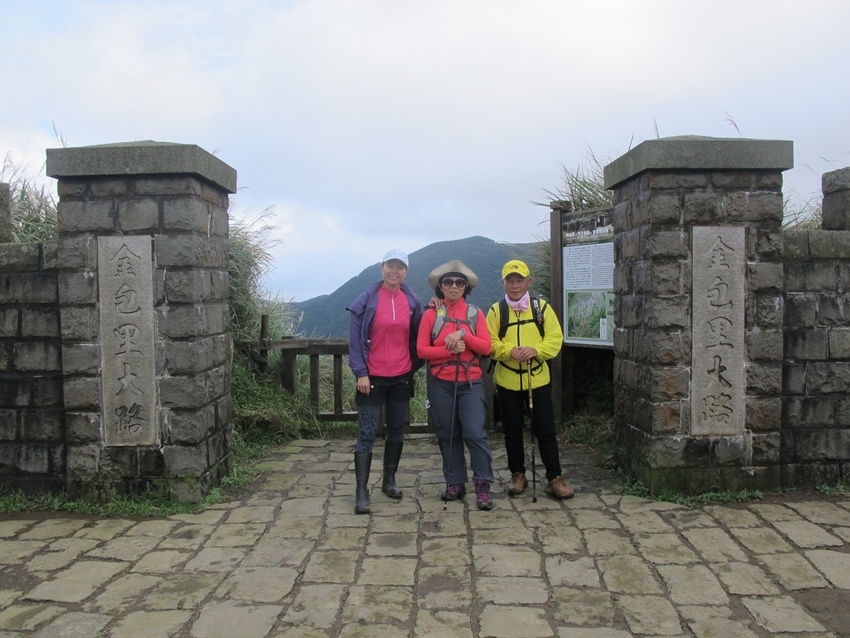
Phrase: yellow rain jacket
(523, 331)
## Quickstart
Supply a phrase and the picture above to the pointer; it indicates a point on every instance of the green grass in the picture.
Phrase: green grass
(842, 488)
(18, 502)
(593, 430)
(709, 498)
(247, 447)
(259, 402)
(633, 487)
(596, 431)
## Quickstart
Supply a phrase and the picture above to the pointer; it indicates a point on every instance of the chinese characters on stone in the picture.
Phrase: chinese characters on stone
(717, 401)
(717, 330)
(129, 415)
(127, 326)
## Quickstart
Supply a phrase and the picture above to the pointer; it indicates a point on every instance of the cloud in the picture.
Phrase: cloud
(373, 123)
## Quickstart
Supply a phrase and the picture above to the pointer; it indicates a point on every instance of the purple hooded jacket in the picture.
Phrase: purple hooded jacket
(363, 313)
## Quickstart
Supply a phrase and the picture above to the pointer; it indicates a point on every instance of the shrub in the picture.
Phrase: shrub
(250, 258)
(33, 204)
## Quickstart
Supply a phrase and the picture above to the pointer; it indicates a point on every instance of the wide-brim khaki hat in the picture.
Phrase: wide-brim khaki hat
(455, 265)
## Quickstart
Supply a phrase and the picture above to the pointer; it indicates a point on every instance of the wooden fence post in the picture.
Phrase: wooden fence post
(264, 341)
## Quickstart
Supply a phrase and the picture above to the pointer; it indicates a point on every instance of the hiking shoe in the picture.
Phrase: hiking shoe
(557, 488)
(454, 492)
(518, 483)
(482, 495)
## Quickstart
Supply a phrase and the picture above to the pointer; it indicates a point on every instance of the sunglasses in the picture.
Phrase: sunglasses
(448, 283)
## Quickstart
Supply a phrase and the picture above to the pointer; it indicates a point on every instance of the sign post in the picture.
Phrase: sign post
(582, 295)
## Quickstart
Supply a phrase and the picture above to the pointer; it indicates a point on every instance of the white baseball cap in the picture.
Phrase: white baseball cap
(396, 253)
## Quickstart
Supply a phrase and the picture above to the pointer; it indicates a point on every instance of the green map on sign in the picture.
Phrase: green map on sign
(590, 314)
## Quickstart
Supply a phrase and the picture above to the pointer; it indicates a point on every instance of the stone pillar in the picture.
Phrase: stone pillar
(836, 200)
(143, 289)
(699, 292)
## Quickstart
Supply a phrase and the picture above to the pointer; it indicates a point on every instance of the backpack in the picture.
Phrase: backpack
(537, 306)
(440, 321)
(537, 316)
(469, 322)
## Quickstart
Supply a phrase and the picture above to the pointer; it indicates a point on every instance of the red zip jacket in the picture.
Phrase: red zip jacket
(436, 354)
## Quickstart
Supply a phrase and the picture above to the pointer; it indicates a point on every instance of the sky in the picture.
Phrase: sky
(363, 125)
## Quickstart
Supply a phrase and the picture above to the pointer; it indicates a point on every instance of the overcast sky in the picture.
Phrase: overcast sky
(371, 124)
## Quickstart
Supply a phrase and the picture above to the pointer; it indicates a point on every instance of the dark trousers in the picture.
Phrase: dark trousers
(513, 404)
(459, 411)
(395, 392)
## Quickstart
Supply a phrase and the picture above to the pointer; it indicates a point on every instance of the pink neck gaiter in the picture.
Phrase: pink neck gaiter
(520, 305)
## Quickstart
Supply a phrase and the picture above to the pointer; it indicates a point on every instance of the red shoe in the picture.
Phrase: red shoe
(482, 495)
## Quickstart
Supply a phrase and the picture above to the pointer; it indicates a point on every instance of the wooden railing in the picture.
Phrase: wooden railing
(293, 347)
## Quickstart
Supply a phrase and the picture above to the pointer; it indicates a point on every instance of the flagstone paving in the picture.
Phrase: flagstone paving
(290, 558)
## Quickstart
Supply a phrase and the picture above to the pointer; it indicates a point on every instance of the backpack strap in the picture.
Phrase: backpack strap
(503, 318)
(470, 321)
(519, 370)
(537, 306)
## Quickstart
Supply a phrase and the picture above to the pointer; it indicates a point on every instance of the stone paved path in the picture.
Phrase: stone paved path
(291, 559)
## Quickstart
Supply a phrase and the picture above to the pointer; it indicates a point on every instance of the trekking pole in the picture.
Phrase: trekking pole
(452, 432)
(531, 427)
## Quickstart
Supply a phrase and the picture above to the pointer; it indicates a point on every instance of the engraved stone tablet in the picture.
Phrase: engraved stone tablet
(125, 282)
(717, 373)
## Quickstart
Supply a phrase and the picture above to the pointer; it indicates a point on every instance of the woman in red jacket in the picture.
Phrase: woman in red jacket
(452, 339)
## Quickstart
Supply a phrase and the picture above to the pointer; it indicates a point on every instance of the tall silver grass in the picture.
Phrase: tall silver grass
(33, 203)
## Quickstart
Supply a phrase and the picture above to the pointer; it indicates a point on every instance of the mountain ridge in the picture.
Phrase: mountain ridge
(326, 315)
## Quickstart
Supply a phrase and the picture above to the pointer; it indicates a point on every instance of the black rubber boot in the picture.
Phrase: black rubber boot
(362, 463)
(392, 453)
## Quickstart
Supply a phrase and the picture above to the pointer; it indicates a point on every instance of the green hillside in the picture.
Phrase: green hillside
(325, 316)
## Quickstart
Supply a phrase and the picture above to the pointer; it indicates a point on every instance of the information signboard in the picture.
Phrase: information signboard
(589, 293)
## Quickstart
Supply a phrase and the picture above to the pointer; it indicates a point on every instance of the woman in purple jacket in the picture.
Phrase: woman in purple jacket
(382, 355)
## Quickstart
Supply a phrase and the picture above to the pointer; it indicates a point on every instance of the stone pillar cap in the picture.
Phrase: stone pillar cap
(694, 152)
(140, 158)
(834, 181)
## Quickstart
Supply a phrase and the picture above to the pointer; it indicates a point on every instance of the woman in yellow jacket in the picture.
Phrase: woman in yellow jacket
(519, 349)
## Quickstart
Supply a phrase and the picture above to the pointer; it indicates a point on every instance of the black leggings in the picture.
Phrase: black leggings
(395, 393)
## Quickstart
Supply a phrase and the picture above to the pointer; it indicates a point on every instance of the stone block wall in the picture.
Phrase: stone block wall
(189, 225)
(698, 405)
(816, 401)
(663, 191)
(114, 343)
(143, 294)
(32, 426)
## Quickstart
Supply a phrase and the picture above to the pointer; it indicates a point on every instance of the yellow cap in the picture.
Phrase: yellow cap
(515, 267)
